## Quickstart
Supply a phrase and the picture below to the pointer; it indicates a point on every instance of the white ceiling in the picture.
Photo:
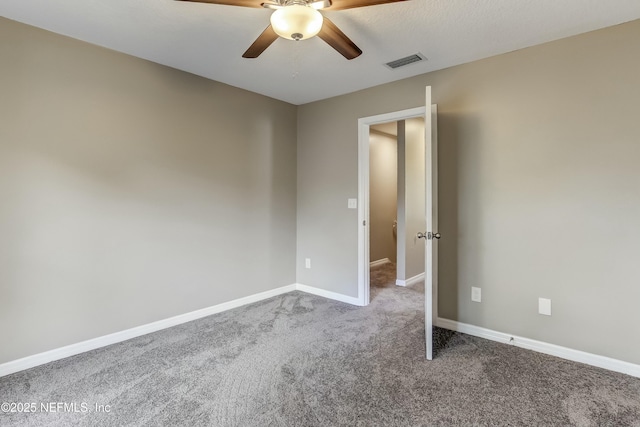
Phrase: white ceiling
(209, 40)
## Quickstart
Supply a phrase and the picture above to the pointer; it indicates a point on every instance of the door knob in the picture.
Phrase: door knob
(428, 235)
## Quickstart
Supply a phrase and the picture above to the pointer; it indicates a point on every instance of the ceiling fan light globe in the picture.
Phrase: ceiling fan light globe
(296, 22)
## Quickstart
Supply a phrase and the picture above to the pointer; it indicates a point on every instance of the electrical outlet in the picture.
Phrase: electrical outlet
(476, 294)
(544, 306)
(307, 263)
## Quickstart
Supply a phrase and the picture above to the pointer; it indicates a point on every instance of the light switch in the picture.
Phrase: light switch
(352, 203)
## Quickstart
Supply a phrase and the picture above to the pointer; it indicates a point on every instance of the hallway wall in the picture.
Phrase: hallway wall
(414, 209)
(383, 176)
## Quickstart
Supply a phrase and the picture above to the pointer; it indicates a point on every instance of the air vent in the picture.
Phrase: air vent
(406, 61)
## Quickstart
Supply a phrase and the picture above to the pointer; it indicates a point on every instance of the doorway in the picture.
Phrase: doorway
(396, 204)
(429, 235)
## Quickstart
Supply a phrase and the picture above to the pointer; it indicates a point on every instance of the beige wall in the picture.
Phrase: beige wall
(131, 192)
(539, 185)
(383, 177)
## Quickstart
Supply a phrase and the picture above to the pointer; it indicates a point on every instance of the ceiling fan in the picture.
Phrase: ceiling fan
(300, 20)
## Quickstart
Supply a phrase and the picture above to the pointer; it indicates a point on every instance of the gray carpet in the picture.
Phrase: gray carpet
(302, 360)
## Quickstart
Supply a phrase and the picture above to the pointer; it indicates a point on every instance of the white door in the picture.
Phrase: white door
(431, 213)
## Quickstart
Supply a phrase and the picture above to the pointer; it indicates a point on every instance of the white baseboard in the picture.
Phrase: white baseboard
(542, 347)
(410, 281)
(379, 262)
(328, 294)
(81, 347)
(92, 344)
(103, 341)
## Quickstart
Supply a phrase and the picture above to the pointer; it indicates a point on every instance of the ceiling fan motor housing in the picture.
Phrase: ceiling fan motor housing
(296, 21)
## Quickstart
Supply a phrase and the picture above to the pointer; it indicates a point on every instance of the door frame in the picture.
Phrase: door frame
(364, 125)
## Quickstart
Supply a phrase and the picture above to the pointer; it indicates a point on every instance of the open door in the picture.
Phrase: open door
(431, 212)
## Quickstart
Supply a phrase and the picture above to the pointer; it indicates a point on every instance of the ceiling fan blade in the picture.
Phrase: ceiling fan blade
(243, 3)
(338, 40)
(350, 4)
(272, 5)
(263, 41)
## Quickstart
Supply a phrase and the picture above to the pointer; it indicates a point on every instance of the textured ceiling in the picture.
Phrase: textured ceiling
(209, 40)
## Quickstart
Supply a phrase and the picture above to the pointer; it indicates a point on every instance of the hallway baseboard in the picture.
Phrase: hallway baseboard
(379, 262)
(410, 281)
